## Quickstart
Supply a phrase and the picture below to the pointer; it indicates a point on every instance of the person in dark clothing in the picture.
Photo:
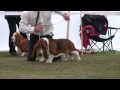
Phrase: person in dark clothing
(12, 21)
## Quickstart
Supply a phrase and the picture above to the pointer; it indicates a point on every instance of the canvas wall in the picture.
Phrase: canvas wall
(60, 30)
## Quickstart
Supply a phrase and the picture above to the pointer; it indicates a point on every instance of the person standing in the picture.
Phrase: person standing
(12, 21)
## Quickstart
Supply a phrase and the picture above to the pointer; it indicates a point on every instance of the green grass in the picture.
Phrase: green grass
(95, 66)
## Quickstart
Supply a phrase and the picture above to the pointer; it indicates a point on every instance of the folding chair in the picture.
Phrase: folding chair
(94, 26)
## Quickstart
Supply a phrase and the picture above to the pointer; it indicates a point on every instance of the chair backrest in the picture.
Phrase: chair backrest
(99, 22)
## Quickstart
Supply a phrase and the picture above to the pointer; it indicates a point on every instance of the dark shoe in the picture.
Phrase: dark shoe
(57, 58)
(13, 53)
(30, 59)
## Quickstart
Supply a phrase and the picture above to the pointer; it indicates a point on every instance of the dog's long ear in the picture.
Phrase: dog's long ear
(18, 38)
(17, 42)
(36, 49)
(22, 45)
(44, 48)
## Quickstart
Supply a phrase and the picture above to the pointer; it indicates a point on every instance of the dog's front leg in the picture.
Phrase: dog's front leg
(42, 56)
(49, 60)
(23, 54)
(42, 59)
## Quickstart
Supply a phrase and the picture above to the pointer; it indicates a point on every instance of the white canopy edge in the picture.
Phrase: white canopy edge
(10, 13)
(16, 13)
(71, 13)
(101, 12)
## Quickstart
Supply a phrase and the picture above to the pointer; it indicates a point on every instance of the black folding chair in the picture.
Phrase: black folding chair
(93, 26)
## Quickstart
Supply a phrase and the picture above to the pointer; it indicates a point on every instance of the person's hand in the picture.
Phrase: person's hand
(66, 16)
(38, 28)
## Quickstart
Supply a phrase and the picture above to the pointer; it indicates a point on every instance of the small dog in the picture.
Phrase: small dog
(20, 42)
(50, 48)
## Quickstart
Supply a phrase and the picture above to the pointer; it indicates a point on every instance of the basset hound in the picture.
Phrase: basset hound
(20, 42)
(50, 48)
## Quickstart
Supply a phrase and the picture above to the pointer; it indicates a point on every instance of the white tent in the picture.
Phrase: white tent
(65, 29)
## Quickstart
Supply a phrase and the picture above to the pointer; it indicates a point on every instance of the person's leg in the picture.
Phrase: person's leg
(32, 42)
(17, 22)
(12, 29)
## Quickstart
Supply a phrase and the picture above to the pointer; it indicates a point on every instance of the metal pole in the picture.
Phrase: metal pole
(81, 33)
(68, 27)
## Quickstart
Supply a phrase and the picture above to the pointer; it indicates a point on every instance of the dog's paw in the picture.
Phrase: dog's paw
(79, 59)
(22, 55)
(49, 61)
(41, 60)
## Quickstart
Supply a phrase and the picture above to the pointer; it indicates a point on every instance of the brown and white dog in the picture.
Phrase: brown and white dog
(50, 48)
(20, 42)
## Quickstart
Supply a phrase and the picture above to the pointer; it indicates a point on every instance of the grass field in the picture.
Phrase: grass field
(95, 66)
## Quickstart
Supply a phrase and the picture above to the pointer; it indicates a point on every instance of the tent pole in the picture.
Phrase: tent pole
(68, 27)
(81, 33)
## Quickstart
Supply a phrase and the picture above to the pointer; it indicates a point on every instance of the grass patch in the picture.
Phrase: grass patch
(95, 66)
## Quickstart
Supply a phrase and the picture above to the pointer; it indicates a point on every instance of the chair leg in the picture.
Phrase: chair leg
(107, 45)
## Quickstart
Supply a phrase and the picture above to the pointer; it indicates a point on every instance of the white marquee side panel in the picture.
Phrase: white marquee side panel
(60, 29)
